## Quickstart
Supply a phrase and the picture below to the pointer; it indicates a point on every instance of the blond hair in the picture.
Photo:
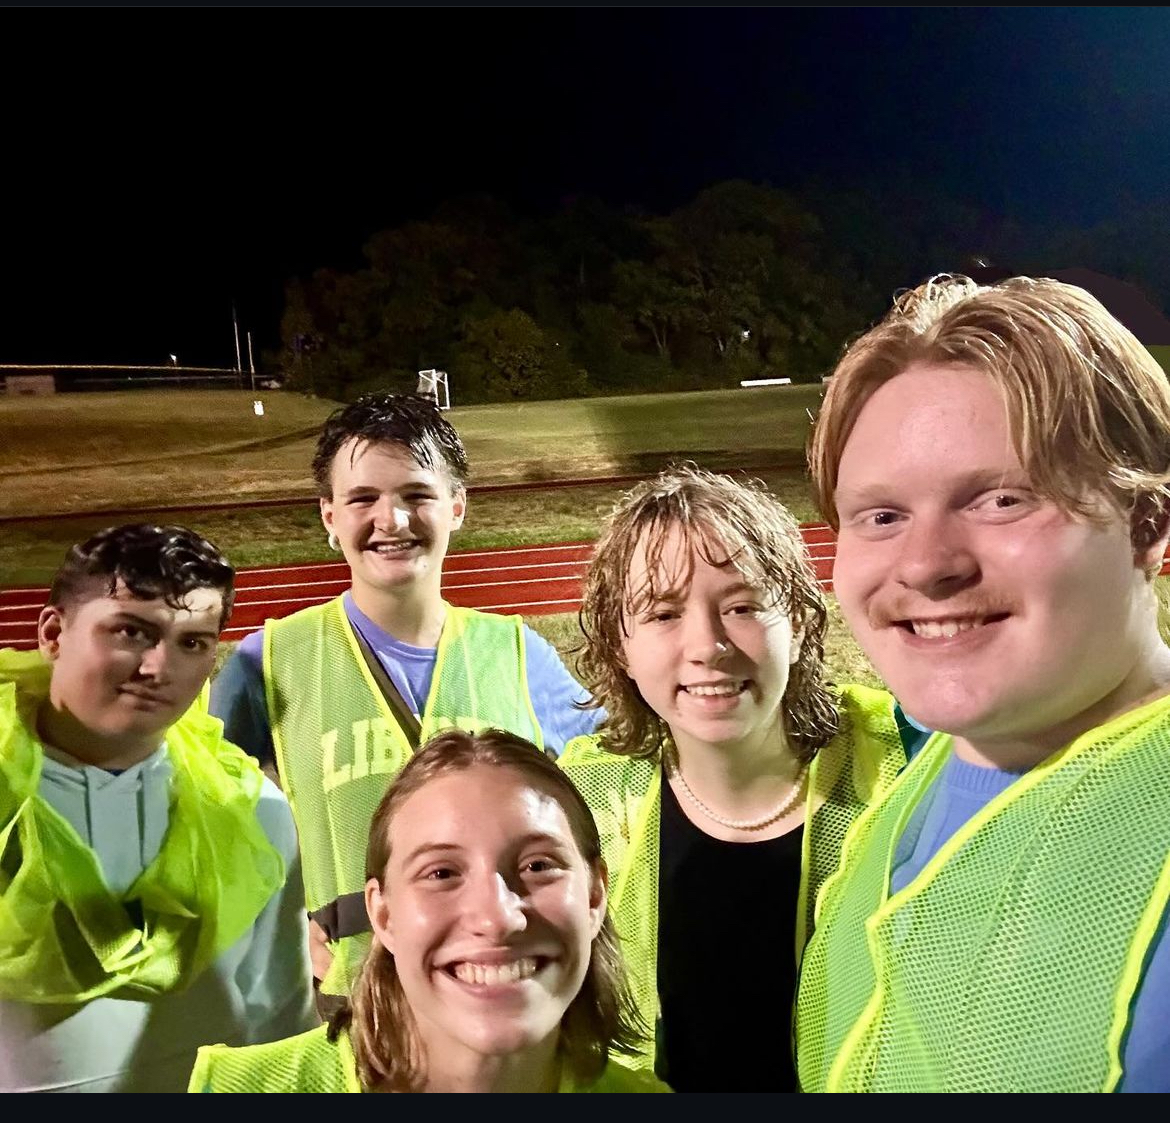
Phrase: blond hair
(1088, 405)
(723, 521)
(602, 1017)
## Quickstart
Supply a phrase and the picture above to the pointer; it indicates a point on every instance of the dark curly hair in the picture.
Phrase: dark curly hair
(150, 561)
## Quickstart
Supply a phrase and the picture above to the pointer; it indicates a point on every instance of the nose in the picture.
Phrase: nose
(706, 638)
(494, 907)
(390, 516)
(935, 557)
(155, 663)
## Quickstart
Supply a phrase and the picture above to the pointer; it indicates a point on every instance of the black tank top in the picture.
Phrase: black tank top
(726, 969)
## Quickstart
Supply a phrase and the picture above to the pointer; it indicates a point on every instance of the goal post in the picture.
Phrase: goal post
(433, 384)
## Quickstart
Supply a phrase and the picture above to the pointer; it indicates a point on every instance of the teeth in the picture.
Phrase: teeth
(943, 629)
(722, 688)
(495, 974)
(392, 547)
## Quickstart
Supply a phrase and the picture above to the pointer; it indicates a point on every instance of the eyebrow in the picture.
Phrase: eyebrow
(980, 479)
(414, 481)
(124, 616)
(533, 838)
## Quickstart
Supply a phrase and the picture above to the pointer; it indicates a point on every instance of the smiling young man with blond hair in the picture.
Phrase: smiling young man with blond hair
(995, 461)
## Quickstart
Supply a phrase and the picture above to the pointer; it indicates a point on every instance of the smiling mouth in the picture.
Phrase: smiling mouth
(949, 627)
(495, 974)
(389, 549)
(716, 689)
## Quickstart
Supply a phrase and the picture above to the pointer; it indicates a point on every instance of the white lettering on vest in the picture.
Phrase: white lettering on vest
(332, 775)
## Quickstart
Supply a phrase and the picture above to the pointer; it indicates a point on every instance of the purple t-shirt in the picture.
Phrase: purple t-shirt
(237, 693)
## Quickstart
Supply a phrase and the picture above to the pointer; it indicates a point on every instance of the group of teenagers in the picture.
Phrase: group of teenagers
(396, 845)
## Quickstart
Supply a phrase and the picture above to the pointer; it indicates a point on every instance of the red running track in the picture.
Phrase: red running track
(531, 580)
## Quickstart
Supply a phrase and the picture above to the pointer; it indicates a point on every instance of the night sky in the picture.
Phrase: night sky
(159, 164)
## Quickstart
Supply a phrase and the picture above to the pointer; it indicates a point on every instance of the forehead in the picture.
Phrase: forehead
(929, 420)
(672, 556)
(359, 461)
(482, 807)
(201, 609)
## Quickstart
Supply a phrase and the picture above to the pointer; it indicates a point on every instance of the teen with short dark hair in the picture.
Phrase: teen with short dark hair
(341, 693)
(150, 896)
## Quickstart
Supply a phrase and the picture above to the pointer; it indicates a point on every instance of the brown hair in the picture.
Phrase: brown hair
(1088, 405)
(723, 521)
(600, 1019)
(150, 561)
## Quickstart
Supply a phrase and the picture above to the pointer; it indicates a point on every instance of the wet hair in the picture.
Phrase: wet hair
(725, 522)
(411, 421)
(149, 561)
(601, 1019)
(1088, 405)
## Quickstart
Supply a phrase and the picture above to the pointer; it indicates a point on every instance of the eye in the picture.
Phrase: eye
(359, 501)
(745, 608)
(542, 864)
(882, 518)
(133, 635)
(198, 644)
(993, 503)
(440, 873)
(660, 614)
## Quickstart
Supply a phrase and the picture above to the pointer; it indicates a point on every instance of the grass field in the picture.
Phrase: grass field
(132, 449)
(129, 449)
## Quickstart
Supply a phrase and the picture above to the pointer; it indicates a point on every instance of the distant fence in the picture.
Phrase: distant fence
(68, 377)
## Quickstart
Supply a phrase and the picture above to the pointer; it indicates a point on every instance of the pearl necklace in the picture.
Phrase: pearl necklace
(790, 801)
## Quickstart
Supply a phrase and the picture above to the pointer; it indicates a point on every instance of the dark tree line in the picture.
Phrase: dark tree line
(744, 281)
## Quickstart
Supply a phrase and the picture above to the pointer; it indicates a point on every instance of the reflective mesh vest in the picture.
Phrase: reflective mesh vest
(1010, 963)
(338, 745)
(310, 1062)
(64, 936)
(625, 796)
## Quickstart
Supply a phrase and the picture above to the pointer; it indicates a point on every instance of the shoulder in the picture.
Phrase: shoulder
(866, 703)
(598, 773)
(292, 1064)
(241, 671)
(275, 816)
(587, 750)
(869, 743)
(251, 647)
(616, 1077)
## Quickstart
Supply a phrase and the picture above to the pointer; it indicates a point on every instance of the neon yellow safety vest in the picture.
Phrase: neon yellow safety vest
(64, 936)
(1010, 963)
(310, 1062)
(338, 745)
(625, 796)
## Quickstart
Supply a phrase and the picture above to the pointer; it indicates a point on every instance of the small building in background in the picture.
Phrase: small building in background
(30, 385)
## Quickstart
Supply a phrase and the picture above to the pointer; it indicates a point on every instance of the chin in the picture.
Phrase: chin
(502, 1040)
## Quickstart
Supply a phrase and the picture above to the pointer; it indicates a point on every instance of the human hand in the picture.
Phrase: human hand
(320, 954)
